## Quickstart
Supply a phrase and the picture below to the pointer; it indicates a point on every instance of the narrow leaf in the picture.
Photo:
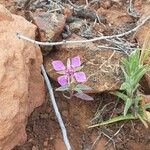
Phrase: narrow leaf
(142, 120)
(84, 96)
(126, 66)
(127, 106)
(126, 75)
(83, 87)
(78, 90)
(63, 88)
(144, 70)
(113, 120)
(147, 106)
(121, 95)
(126, 86)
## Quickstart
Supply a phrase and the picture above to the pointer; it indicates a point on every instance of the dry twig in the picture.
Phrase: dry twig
(115, 134)
(83, 41)
(131, 11)
(51, 93)
(94, 143)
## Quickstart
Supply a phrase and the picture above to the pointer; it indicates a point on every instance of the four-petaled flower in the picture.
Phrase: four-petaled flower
(70, 71)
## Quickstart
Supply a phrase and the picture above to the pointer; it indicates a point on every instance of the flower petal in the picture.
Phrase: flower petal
(80, 76)
(75, 62)
(58, 65)
(62, 80)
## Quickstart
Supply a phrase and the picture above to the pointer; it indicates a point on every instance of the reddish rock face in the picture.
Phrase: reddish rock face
(115, 17)
(50, 25)
(101, 66)
(143, 37)
(21, 83)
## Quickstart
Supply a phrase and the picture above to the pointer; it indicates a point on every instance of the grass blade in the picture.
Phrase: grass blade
(121, 95)
(113, 120)
(127, 106)
(147, 106)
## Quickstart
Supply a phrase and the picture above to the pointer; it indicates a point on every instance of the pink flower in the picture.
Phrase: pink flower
(70, 71)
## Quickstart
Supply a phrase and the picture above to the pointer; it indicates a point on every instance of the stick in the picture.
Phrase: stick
(51, 93)
(83, 41)
(97, 139)
(131, 11)
(114, 134)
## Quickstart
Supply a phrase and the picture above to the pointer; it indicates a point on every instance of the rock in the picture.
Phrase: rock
(45, 143)
(103, 73)
(59, 144)
(142, 37)
(115, 17)
(21, 83)
(5, 14)
(76, 26)
(34, 148)
(142, 32)
(20, 3)
(50, 26)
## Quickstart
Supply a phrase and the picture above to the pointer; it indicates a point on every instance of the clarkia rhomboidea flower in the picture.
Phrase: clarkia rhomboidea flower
(71, 71)
(72, 79)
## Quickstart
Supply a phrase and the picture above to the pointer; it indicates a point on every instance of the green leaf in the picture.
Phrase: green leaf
(147, 106)
(137, 100)
(127, 100)
(141, 73)
(142, 120)
(127, 78)
(115, 119)
(83, 87)
(127, 87)
(134, 88)
(78, 90)
(121, 95)
(131, 64)
(134, 60)
(127, 106)
(126, 65)
(63, 88)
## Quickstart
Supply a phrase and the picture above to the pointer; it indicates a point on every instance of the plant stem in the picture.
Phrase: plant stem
(115, 119)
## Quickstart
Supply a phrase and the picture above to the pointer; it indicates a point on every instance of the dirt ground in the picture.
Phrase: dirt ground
(44, 133)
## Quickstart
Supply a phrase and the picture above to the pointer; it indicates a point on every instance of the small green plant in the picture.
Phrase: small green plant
(134, 105)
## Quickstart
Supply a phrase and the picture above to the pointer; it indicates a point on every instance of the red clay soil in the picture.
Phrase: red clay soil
(44, 132)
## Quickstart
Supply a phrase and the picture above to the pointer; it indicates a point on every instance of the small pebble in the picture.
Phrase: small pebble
(65, 113)
(48, 110)
(34, 148)
(45, 143)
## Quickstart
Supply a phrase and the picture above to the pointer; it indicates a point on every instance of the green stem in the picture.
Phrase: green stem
(115, 119)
